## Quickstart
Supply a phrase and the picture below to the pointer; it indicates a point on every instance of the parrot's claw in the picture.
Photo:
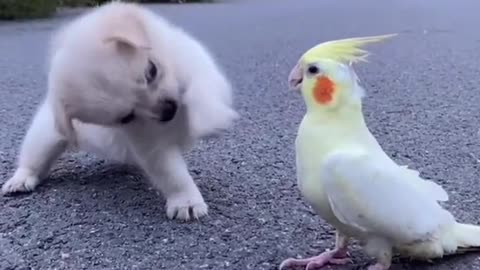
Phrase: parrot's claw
(377, 266)
(341, 261)
(336, 257)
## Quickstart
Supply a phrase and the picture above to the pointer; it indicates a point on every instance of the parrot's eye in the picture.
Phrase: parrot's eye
(313, 70)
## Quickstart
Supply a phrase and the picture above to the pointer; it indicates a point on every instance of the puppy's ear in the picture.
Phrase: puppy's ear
(128, 33)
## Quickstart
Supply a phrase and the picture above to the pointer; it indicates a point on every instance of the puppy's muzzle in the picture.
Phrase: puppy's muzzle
(166, 110)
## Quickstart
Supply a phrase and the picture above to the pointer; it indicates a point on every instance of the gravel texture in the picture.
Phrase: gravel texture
(422, 105)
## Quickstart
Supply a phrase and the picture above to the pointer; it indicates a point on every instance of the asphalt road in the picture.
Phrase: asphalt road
(422, 104)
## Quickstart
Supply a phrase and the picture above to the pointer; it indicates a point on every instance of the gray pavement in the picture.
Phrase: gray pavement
(422, 104)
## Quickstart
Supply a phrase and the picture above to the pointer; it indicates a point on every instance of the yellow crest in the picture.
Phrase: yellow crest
(343, 50)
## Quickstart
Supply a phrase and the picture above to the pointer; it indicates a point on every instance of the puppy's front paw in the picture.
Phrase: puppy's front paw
(24, 180)
(186, 205)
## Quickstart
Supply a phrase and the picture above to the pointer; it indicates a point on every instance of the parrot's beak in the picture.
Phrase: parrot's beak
(295, 77)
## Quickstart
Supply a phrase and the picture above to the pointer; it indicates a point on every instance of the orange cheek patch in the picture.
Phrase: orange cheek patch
(323, 90)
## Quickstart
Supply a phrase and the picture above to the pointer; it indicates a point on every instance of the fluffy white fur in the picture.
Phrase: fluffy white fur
(97, 75)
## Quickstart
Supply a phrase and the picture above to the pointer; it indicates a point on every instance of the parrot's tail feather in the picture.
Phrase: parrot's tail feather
(467, 237)
(461, 250)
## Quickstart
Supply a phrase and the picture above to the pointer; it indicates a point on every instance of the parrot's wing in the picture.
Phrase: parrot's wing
(372, 195)
(430, 187)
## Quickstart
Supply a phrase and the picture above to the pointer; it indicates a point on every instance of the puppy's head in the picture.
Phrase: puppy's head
(113, 74)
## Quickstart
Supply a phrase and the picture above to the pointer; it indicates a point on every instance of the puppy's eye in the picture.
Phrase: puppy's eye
(151, 72)
(313, 70)
(127, 118)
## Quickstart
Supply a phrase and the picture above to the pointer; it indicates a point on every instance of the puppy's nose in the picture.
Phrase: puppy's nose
(167, 110)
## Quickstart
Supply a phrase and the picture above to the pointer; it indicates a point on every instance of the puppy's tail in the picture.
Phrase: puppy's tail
(209, 106)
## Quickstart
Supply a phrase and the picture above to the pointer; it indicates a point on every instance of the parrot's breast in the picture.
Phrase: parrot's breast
(311, 150)
(314, 143)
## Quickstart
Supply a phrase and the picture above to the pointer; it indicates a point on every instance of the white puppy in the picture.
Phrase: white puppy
(129, 86)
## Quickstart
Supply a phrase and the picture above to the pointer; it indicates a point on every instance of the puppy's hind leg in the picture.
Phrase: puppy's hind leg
(41, 146)
(168, 172)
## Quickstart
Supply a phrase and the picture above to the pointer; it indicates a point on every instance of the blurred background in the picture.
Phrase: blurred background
(24, 9)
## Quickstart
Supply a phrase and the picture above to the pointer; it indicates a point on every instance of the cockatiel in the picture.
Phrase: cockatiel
(350, 181)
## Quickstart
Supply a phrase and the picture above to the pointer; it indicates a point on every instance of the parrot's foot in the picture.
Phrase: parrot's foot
(336, 256)
(377, 266)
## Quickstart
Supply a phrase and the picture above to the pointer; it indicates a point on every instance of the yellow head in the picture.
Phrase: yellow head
(325, 75)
